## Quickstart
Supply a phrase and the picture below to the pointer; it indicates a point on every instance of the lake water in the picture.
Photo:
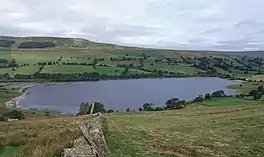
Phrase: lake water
(120, 94)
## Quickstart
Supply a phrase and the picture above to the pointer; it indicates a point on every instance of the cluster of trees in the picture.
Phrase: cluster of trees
(85, 108)
(208, 96)
(175, 103)
(36, 45)
(255, 93)
(6, 43)
(93, 76)
(8, 64)
(11, 114)
(171, 104)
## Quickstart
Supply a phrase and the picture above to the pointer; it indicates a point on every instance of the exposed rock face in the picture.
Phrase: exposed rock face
(92, 143)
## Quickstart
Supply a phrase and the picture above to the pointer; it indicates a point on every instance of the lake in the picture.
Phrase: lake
(120, 94)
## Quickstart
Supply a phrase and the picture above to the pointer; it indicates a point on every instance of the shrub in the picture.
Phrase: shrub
(3, 118)
(257, 96)
(219, 93)
(199, 99)
(14, 114)
(47, 113)
(207, 96)
(110, 111)
(85, 108)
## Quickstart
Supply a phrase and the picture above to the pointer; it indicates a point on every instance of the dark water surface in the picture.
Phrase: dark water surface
(120, 94)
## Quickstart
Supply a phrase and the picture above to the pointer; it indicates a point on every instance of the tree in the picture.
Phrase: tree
(12, 63)
(110, 111)
(260, 89)
(125, 71)
(144, 56)
(47, 113)
(158, 109)
(85, 108)
(140, 109)
(160, 73)
(148, 107)
(141, 64)
(171, 103)
(199, 99)
(219, 93)
(95, 61)
(257, 96)
(174, 103)
(128, 110)
(207, 96)
(14, 114)
(253, 92)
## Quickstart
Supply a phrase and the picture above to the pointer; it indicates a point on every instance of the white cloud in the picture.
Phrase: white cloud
(189, 24)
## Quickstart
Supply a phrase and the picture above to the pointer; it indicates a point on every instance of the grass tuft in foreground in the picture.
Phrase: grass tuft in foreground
(41, 136)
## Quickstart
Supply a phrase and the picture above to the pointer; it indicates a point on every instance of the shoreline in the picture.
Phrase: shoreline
(13, 103)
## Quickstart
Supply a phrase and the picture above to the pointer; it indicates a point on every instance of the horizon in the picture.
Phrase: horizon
(195, 26)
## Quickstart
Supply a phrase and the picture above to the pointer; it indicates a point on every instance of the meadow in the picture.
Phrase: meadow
(223, 130)
(225, 127)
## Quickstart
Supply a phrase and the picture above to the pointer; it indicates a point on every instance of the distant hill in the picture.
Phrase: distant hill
(10, 42)
(59, 42)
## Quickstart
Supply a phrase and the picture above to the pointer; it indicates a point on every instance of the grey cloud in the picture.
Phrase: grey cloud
(141, 22)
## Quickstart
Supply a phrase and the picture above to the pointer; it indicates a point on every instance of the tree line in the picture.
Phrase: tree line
(171, 104)
(36, 45)
(92, 76)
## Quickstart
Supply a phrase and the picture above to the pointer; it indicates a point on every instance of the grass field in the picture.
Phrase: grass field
(257, 78)
(214, 129)
(230, 102)
(68, 69)
(20, 70)
(7, 94)
(226, 131)
(246, 87)
(41, 136)
(65, 52)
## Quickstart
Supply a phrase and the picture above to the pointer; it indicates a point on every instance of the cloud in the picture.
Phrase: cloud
(177, 24)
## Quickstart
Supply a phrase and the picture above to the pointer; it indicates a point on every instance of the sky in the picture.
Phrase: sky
(173, 24)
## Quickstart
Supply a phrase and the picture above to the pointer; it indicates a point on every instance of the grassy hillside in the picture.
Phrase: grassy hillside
(211, 129)
(199, 131)
(79, 55)
(41, 136)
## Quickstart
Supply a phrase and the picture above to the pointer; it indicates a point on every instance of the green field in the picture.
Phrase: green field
(229, 102)
(10, 151)
(7, 94)
(246, 87)
(257, 78)
(198, 131)
(68, 69)
(20, 70)
(168, 61)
